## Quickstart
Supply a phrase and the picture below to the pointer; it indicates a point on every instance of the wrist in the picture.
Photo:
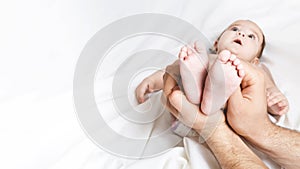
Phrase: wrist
(156, 80)
(263, 138)
(221, 131)
(230, 150)
(213, 124)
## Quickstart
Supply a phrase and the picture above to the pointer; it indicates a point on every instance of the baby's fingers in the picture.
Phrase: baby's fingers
(283, 103)
(274, 100)
(283, 110)
(141, 91)
(271, 95)
(284, 106)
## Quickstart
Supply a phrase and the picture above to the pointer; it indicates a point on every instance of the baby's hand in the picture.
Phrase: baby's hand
(145, 87)
(150, 84)
(277, 102)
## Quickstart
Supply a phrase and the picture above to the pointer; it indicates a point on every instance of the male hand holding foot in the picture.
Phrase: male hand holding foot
(247, 116)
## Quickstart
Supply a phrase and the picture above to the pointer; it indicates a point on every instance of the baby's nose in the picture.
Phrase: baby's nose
(242, 34)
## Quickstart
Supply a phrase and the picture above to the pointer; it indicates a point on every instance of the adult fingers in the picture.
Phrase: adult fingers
(168, 106)
(188, 112)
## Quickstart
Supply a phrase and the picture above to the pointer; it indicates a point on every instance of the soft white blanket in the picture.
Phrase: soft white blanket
(42, 40)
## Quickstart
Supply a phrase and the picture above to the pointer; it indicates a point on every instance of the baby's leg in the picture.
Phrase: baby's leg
(222, 80)
(193, 70)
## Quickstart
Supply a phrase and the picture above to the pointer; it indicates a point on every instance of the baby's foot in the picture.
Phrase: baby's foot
(223, 78)
(193, 70)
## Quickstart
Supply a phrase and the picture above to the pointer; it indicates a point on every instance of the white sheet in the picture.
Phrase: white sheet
(42, 40)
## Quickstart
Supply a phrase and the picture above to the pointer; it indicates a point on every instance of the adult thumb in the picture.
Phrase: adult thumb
(183, 106)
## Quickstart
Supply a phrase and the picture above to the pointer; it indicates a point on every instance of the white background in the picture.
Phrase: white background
(41, 40)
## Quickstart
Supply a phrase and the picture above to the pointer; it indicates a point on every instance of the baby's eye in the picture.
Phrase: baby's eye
(234, 29)
(251, 36)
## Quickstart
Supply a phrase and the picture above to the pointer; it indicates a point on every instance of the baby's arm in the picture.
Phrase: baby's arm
(152, 83)
(277, 102)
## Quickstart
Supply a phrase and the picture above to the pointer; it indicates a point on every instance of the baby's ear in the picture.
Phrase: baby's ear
(215, 48)
(255, 61)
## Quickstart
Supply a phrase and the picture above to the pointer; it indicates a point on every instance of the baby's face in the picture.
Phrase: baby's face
(242, 38)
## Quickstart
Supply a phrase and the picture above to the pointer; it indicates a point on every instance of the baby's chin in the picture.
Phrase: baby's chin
(230, 50)
(238, 55)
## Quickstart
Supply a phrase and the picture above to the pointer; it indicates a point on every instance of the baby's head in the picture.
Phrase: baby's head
(244, 39)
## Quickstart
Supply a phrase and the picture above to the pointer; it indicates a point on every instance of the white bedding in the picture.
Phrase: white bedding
(40, 42)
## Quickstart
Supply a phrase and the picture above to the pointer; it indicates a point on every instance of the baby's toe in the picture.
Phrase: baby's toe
(224, 56)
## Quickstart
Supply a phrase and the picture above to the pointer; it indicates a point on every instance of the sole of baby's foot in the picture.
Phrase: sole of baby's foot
(193, 70)
(223, 78)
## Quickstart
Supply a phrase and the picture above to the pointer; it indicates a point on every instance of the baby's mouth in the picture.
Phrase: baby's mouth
(238, 41)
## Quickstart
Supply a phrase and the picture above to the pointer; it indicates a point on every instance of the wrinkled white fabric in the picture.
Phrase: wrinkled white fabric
(42, 40)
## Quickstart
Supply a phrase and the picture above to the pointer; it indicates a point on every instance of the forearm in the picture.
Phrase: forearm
(230, 151)
(280, 144)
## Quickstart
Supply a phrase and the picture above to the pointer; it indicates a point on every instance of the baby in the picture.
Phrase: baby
(201, 76)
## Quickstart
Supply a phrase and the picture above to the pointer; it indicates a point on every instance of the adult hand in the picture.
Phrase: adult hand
(213, 129)
(247, 107)
(190, 114)
(247, 115)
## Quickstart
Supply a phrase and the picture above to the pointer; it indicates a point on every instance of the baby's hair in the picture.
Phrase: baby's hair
(263, 44)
